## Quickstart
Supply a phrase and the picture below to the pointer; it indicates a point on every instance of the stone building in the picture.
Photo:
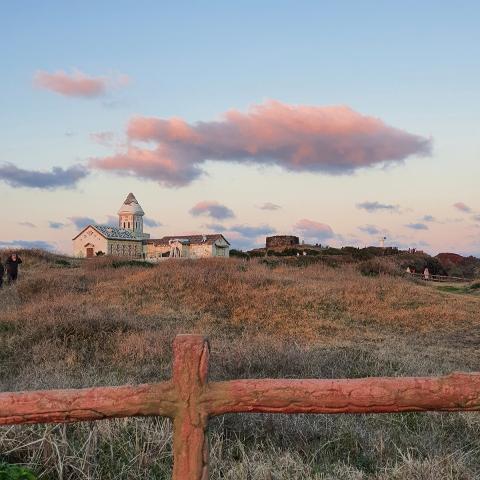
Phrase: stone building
(129, 240)
(187, 246)
(282, 241)
(126, 240)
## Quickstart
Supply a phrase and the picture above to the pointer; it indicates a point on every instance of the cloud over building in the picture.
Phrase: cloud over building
(333, 140)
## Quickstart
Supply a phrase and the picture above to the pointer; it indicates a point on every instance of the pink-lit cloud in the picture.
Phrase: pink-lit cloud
(333, 140)
(212, 209)
(314, 230)
(462, 207)
(77, 84)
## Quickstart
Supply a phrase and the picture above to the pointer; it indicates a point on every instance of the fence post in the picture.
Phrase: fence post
(190, 442)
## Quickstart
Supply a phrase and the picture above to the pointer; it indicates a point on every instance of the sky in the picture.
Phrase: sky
(340, 122)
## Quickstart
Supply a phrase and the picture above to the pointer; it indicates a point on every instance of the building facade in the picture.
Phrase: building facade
(129, 239)
(187, 246)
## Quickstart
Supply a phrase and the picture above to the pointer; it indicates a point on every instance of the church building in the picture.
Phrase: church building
(129, 240)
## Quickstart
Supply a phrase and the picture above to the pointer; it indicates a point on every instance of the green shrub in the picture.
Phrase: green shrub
(132, 263)
(63, 263)
(14, 472)
(238, 253)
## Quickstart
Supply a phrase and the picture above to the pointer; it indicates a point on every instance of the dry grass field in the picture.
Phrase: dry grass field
(68, 323)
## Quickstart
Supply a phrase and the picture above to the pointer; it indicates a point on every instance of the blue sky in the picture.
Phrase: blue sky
(413, 65)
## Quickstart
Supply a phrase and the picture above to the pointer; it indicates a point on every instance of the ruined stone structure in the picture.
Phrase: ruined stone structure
(282, 241)
(129, 240)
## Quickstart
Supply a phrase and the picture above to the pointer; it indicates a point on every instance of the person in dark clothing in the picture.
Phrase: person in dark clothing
(12, 263)
(2, 271)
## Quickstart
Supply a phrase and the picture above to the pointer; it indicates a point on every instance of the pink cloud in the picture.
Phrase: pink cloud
(462, 207)
(312, 229)
(333, 140)
(77, 84)
(212, 209)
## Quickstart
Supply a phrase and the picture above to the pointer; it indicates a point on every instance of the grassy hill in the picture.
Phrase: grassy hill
(442, 264)
(71, 323)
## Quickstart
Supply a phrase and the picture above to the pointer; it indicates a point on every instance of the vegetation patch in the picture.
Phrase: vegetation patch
(473, 288)
(15, 472)
(100, 324)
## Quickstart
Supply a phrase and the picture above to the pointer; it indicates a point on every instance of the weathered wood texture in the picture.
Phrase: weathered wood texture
(55, 406)
(456, 392)
(190, 400)
(190, 443)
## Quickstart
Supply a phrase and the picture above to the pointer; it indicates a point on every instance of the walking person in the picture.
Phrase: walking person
(12, 263)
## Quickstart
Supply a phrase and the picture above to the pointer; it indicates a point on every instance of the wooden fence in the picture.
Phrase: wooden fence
(190, 400)
(440, 278)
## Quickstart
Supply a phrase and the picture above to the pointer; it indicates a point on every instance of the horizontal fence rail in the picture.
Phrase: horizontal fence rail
(189, 400)
(439, 278)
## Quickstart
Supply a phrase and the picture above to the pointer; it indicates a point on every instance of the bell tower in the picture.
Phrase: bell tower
(130, 216)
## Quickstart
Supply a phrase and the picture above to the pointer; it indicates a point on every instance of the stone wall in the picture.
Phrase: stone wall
(282, 241)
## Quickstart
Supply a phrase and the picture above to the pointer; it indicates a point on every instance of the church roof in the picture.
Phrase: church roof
(112, 233)
(131, 206)
(191, 239)
(115, 233)
(130, 199)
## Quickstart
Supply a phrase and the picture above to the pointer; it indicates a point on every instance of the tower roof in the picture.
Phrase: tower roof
(131, 206)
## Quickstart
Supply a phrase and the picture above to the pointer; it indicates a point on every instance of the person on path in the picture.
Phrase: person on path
(426, 274)
(12, 263)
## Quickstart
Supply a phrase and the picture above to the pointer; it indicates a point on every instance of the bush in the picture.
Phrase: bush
(377, 266)
(14, 472)
(238, 253)
(332, 251)
(132, 263)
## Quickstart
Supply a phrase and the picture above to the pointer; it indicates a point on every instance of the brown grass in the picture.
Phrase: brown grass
(68, 324)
